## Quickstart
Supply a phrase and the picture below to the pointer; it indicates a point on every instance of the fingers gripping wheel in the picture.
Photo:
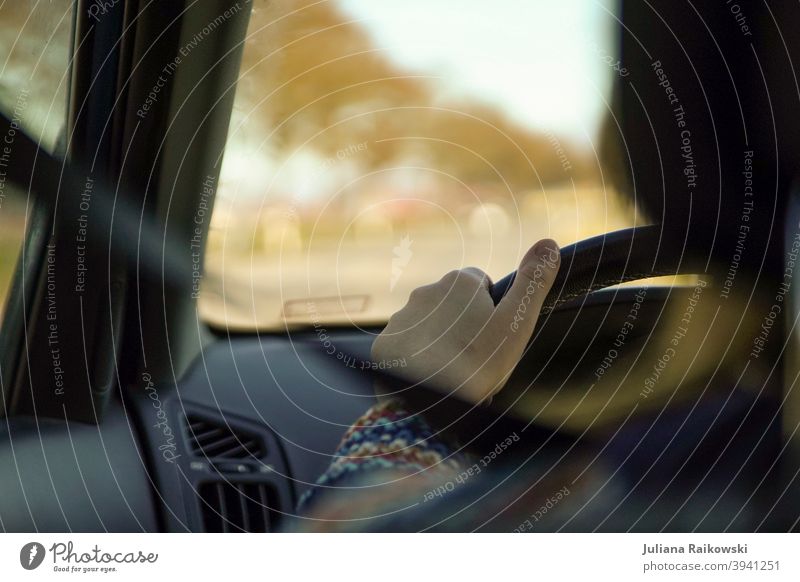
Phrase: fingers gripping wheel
(610, 259)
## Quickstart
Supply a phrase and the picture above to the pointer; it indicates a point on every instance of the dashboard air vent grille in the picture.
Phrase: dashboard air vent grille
(215, 439)
(237, 507)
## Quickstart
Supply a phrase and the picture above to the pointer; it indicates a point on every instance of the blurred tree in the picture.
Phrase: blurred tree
(310, 74)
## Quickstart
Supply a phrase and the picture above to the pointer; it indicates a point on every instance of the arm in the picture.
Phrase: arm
(456, 341)
(387, 438)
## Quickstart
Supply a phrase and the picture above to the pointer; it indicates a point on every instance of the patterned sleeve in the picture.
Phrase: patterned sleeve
(386, 452)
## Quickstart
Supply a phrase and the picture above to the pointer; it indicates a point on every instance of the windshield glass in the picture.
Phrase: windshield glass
(376, 145)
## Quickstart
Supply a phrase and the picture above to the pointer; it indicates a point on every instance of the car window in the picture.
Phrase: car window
(376, 145)
(34, 59)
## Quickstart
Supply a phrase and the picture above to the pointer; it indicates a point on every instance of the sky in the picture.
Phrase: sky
(502, 51)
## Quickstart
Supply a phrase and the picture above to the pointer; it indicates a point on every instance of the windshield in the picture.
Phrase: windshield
(376, 145)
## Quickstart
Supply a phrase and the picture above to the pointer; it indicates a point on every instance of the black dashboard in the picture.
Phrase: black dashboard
(247, 430)
(258, 420)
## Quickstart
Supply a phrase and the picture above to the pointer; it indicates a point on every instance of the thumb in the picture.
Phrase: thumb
(519, 309)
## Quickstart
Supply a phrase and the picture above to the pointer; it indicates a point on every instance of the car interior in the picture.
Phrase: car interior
(664, 362)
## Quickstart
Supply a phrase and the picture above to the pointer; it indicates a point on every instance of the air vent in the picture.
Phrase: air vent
(238, 507)
(215, 439)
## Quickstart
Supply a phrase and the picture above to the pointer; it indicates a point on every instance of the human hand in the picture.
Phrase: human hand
(452, 337)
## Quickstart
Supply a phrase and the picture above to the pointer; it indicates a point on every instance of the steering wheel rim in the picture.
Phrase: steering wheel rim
(610, 259)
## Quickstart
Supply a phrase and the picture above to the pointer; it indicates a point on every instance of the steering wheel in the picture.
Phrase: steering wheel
(610, 259)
